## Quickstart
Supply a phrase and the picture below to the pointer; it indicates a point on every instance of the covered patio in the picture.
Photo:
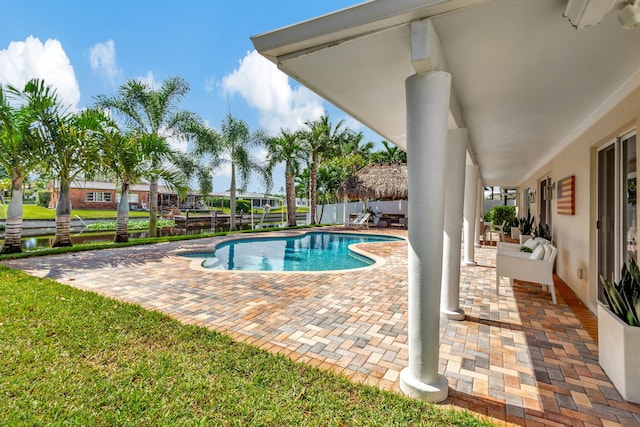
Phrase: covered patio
(515, 357)
(515, 93)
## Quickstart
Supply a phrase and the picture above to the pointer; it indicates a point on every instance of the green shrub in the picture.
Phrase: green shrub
(243, 206)
(220, 202)
(498, 214)
(216, 202)
(43, 198)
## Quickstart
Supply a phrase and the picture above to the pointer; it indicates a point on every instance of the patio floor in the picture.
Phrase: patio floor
(516, 357)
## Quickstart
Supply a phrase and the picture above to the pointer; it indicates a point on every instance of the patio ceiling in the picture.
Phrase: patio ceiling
(525, 81)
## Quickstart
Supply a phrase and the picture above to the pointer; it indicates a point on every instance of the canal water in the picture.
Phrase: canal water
(41, 242)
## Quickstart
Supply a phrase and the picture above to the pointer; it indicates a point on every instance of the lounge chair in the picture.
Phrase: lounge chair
(361, 220)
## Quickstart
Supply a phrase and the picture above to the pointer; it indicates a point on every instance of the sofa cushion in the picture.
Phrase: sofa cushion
(531, 244)
(538, 252)
(547, 252)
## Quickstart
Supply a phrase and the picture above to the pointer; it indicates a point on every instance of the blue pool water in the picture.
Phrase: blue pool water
(308, 252)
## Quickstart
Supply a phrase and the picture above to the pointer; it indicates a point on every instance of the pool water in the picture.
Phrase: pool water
(309, 252)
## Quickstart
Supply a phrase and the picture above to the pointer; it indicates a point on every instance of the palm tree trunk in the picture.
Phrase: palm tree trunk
(153, 207)
(122, 218)
(63, 216)
(232, 201)
(13, 225)
(313, 184)
(291, 200)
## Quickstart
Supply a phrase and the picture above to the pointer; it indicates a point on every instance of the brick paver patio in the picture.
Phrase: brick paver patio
(516, 357)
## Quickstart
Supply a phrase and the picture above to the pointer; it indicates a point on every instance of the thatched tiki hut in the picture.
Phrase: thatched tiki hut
(377, 181)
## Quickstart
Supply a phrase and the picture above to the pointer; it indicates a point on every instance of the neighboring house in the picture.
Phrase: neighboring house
(258, 200)
(103, 195)
(542, 96)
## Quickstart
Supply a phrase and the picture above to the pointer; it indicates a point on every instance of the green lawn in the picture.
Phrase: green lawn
(69, 357)
(37, 212)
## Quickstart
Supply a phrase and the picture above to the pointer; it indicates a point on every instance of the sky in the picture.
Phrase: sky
(87, 48)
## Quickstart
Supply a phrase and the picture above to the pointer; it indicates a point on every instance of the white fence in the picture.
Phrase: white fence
(335, 214)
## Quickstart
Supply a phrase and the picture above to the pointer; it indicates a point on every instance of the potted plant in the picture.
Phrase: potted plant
(526, 227)
(515, 231)
(542, 231)
(619, 331)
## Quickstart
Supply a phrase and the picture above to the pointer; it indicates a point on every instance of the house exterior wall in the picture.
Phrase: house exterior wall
(575, 235)
(78, 198)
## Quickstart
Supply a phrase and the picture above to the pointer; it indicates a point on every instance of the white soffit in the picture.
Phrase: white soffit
(524, 77)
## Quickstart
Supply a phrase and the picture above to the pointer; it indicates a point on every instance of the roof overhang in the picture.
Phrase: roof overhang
(525, 81)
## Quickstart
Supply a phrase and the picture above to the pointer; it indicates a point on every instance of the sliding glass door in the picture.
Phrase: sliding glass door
(617, 214)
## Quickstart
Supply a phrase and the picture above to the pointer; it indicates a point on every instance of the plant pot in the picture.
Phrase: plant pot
(515, 233)
(618, 347)
(524, 238)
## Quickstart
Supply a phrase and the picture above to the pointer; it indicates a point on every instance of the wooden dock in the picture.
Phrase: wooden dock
(199, 220)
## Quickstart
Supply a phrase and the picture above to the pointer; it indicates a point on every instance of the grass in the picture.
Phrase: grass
(76, 358)
(38, 212)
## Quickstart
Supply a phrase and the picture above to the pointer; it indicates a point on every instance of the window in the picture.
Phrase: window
(98, 196)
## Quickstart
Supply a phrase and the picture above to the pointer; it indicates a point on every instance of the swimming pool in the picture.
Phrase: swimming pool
(317, 251)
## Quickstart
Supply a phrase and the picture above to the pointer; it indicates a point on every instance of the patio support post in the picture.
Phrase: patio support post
(453, 215)
(479, 208)
(470, 213)
(428, 96)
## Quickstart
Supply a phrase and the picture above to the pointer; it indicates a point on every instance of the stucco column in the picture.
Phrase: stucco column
(480, 208)
(453, 214)
(470, 213)
(427, 117)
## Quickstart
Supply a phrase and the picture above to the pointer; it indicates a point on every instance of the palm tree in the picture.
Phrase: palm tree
(72, 149)
(352, 145)
(287, 148)
(153, 116)
(321, 140)
(125, 158)
(302, 184)
(390, 154)
(20, 147)
(191, 168)
(233, 144)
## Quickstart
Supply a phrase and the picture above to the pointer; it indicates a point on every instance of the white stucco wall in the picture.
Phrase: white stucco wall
(575, 235)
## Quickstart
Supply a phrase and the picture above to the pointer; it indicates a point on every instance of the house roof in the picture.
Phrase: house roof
(525, 81)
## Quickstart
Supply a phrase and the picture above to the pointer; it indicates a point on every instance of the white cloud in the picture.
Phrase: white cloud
(150, 80)
(267, 89)
(210, 84)
(102, 58)
(353, 124)
(29, 59)
(179, 144)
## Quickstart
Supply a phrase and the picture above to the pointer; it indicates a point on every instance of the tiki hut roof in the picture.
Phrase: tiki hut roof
(377, 181)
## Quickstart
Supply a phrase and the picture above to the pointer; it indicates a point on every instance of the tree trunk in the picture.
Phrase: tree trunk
(232, 198)
(313, 183)
(153, 207)
(13, 225)
(291, 200)
(122, 219)
(63, 216)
